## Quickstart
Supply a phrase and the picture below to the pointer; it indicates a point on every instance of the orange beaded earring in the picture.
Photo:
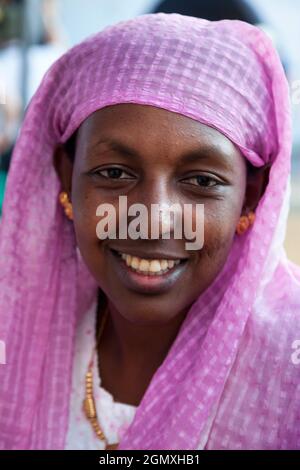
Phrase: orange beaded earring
(67, 205)
(245, 222)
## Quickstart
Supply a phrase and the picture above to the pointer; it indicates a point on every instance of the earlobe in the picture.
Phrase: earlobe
(66, 204)
(257, 181)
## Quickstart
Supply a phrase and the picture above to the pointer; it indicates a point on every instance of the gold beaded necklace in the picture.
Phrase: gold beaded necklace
(89, 405)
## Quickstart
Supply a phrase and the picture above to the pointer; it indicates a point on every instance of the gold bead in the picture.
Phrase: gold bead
(67, 205)
(89, 402)
(63, 197)
(89, 408)
(243, 225)
(251, 217)
(69, 211)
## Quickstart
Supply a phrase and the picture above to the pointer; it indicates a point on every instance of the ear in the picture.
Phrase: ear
(64, 168)
(257, 181)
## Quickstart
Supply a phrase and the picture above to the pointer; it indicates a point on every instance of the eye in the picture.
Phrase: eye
(114, 173)
(202, 181)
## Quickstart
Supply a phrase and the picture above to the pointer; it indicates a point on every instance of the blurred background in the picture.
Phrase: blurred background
(34, 33)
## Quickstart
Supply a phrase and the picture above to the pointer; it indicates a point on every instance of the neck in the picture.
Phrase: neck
(138, 347)
(130, 354)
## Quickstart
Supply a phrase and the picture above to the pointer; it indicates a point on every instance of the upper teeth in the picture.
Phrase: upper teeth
(151, 266)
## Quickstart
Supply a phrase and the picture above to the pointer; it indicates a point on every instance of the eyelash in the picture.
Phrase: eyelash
(99, 172)
(209, 179)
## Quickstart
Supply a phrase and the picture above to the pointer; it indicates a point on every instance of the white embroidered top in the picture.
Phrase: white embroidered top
(114, 417)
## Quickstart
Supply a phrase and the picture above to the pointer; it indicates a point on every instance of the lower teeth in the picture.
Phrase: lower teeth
(148, 273)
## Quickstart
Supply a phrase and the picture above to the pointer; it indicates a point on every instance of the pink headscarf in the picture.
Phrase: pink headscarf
(228, 380)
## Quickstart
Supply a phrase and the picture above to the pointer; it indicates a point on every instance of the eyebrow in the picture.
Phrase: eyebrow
(202, 152)
(114, 144)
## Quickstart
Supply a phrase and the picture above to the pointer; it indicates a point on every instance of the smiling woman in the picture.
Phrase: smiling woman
(178, 161)
(193, 346)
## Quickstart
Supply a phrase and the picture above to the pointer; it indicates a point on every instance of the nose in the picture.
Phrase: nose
(163, 208)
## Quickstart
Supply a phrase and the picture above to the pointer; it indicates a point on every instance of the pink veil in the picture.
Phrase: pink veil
(228, 376)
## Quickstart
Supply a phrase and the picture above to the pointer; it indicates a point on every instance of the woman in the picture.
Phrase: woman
(161, 109)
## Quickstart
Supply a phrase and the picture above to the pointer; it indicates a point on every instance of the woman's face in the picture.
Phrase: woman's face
(154, 156)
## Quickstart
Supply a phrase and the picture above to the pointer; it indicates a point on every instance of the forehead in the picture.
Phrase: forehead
(124, 116)
(149, 129)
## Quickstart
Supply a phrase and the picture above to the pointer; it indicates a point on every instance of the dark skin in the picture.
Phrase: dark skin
(161, 157)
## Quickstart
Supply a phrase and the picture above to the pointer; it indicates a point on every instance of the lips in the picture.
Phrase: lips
(147, 275)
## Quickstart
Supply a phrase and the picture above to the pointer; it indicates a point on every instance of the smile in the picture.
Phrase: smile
(148, 267)
(147, 275)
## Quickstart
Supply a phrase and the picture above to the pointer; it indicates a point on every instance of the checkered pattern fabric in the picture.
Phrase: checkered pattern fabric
(228, 381)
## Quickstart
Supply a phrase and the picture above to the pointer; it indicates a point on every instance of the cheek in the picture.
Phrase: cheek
(84, 214)
(220, 225)
(85, 201)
